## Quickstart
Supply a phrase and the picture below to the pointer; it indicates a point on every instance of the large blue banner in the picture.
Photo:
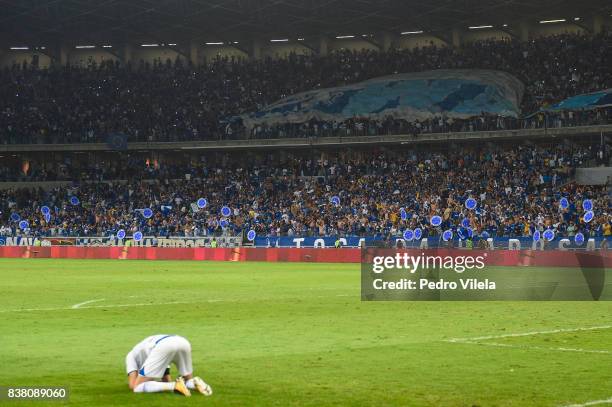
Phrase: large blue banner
(593, 100)
(431, 242)
(457, 93)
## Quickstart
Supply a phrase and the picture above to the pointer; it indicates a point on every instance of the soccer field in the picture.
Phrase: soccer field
(292, 334)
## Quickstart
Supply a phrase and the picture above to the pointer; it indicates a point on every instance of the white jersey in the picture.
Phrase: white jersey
(154, 354)
(139, 353)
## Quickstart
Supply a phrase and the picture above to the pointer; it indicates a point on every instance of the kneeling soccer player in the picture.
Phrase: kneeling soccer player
(148, 363)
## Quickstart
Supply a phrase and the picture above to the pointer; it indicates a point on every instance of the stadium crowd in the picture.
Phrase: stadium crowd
(518, 189)
(86, 104)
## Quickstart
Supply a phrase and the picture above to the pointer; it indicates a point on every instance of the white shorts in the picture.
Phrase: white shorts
(169, 349)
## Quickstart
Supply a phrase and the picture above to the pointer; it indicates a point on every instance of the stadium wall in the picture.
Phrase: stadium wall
(18, 57)
(548, 30)
(151, 54)
(84, 57)
(482, 35)
(283, 51)
(594, 176)
(211, 52)
(602, 258)
(353, 44)
(413, 41)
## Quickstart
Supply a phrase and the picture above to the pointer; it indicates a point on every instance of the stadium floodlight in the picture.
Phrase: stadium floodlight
(214, 43)
(149, 45)
(411, 32)
(342, 37)
(235, 42)
(479, 27)
(559, 20)
(19, 48)
(84, 46)
(280, 40)
(107, 46)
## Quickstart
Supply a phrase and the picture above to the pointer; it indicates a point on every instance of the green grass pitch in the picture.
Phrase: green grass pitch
(281, 334)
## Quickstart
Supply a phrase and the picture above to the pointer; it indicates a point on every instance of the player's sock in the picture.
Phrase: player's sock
(154, 387)
(190, 384)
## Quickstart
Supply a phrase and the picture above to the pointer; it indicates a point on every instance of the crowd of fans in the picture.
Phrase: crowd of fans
(518, 189)
(175, 101)
(80, 168)
(390, 125)
(121, 167)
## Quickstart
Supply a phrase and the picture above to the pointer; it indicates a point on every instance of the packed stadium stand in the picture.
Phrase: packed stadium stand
(86, 104)
(519, 189)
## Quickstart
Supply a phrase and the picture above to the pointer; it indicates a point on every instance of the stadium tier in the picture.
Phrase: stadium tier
(89, 104)
(518, 189)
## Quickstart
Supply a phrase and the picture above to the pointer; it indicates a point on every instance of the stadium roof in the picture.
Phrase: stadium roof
(37, 22)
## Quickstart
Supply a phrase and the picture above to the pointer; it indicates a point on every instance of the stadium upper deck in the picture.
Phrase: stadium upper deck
(84, 105)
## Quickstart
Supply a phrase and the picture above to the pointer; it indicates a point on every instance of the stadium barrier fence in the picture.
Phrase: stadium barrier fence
(551, 258)
(498, 243)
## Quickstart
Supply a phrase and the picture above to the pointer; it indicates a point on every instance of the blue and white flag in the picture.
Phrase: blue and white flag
(455, 93)
(602, 98)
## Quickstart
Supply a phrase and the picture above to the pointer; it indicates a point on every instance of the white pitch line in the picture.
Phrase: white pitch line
(484, 340)
(80, 304)
(553, 331)
(559, 349)
(144, 304)
(590, 403)
(100, 306)
(83, 305)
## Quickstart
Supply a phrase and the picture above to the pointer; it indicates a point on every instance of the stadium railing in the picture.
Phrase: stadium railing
(533, 134)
